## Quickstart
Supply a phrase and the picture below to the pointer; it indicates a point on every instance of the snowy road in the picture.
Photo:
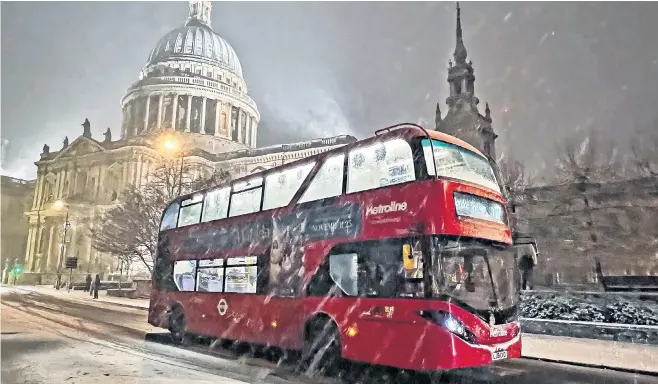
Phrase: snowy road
(97, 342)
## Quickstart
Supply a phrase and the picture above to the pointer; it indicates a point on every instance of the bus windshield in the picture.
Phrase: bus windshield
(455, 162)
(481, 276)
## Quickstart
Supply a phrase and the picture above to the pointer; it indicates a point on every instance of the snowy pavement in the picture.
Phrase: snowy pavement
(109, 319)
(36, 350)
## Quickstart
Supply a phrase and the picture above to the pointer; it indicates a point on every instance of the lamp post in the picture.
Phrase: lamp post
(58, 205)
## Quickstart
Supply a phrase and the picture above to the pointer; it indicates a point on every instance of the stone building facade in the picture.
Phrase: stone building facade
(16, 197)
(192, 86)
(618, 226)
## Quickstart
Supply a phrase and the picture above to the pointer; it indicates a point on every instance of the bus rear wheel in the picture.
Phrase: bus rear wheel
(321, 352)
(177, 325)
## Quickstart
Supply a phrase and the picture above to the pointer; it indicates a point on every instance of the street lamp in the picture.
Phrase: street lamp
(58, 205)
(172, 144)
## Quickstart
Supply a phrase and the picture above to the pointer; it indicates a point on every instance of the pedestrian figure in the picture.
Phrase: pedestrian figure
(97, 285)
(88, 283)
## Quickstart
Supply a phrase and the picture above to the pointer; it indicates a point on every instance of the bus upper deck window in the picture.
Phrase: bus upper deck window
(170, 217)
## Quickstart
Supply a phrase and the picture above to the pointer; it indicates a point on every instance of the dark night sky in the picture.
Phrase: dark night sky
(327, 68)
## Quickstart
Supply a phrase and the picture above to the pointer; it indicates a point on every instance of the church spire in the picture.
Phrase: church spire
(200, 11)
(460, 49)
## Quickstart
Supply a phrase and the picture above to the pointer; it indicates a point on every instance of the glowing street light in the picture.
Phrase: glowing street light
(171, 144)
(59, 204)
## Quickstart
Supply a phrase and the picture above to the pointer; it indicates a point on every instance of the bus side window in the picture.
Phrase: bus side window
(170, 217)
(379, 165)
(379, 269)
(321, 283)
(327, 182)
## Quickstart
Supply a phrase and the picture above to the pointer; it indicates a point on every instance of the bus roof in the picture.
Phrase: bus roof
(409, 127)
(453, 140)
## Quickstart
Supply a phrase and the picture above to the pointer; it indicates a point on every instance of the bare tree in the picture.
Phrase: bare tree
(513, 178)
(129, 230)
(585, 158)
(644, 151)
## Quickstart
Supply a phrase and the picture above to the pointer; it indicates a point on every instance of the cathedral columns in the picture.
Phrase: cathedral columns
(146, 115)
(218, 107)
(174, 111)
(188, 113)
(29, 256)
(49, 254)
(58, 183)
(254, 132)
(239, 126)
(202, 130)
(160, 111)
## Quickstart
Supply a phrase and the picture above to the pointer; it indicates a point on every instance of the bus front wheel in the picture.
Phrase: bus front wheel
(321, 350)
(177, 325)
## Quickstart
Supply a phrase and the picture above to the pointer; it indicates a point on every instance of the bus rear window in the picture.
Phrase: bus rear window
(455, 162)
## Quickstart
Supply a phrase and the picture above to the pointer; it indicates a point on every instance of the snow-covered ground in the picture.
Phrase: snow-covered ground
(35, 350)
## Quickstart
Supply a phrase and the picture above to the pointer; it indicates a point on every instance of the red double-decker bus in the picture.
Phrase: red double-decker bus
(393, 250)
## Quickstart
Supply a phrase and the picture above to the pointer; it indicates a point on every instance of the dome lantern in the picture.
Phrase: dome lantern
(200, 11)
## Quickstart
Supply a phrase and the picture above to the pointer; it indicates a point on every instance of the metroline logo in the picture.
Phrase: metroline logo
(393, 206)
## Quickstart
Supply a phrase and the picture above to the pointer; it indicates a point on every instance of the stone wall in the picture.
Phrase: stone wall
(623, 232)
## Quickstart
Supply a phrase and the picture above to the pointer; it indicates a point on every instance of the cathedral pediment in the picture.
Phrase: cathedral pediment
(81, 146)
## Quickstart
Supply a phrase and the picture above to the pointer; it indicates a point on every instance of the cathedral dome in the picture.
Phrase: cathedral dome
(193, 83)
(196, 40)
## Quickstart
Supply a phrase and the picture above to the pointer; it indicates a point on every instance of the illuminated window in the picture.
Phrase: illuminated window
(216, 204)
(210, 276)
(170, 218)
(246, 197)
(281, 187)
(380, 164)
(184, 275)
(190, 212)
(328, 182)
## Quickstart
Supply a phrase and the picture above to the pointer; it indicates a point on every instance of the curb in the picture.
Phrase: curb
(594, 366)
(636, 334)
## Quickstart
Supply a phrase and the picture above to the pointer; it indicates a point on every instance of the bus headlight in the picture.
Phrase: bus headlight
(450, 323)
(453, 325)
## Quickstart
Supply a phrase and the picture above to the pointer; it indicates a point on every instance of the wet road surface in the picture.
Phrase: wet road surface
(126, 328)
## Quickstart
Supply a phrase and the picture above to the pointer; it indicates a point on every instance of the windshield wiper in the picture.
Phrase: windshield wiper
(493, 285)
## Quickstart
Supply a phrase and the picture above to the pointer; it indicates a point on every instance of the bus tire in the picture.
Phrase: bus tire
(321, 351)
(177, 325)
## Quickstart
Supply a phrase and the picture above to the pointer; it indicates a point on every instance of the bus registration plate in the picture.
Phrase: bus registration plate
(499, 355)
